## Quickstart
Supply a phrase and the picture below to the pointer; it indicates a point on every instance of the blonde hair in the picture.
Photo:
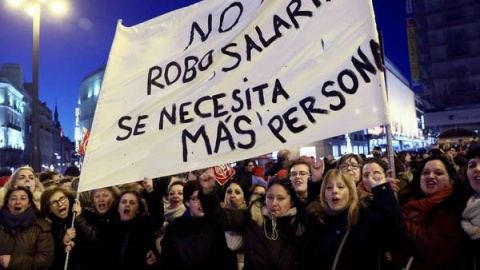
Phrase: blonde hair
(320, 207)
(12, 182)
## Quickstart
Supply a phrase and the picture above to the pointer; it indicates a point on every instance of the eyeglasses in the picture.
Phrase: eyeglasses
(301, 174)
(345, 166)
(56, 203)
(195, 200)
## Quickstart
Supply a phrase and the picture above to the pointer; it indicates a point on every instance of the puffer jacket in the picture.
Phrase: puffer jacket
(30, 248)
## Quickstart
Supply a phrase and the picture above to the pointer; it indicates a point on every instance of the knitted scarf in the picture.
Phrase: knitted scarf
(20, 221)
(471, 217)
(171, 214)
(414, 209)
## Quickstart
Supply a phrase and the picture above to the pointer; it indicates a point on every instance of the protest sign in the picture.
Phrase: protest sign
(221, 81)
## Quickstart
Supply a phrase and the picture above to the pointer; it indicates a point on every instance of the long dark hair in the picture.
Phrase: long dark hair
(287, 185)
(458, 196)
(246, 193)
(473, 152)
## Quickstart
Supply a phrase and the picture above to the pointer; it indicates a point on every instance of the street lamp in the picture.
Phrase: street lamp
(33, 8)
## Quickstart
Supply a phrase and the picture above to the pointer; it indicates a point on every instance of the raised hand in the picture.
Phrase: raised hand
(394, 183)
(5, 261)
(376, 179)
(207, 181)
(147, 184)
(317, 168)
(151, 258)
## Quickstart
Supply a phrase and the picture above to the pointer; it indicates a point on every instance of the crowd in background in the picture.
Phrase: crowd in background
(302, 213)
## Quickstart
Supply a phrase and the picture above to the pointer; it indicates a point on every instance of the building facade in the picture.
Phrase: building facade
(87, 103)
(12, 124)
(15, 125)
(446, 52)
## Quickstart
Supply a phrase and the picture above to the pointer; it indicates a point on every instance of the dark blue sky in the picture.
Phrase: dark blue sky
(75, 45)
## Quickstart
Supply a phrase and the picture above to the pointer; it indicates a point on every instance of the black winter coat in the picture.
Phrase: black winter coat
(261, 251)
(378, 227)
(129, 243)
(195, 243)
(30, 248)
(124, 244)
(95, 251)
(83, 243)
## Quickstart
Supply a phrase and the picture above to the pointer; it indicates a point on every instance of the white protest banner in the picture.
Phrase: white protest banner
(223, 80)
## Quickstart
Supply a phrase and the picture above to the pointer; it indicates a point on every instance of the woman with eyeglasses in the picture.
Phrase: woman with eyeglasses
(97, 224)
(193, 242)
(341, 232)
(270, 229)
(57, 203)
(351, 164)
(25, 237)
(306, 185)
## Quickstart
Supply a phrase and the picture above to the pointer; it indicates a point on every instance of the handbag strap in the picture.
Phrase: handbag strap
(339, 250)
(409, 263)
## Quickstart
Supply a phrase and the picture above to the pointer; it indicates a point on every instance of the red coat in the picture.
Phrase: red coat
(435, 238)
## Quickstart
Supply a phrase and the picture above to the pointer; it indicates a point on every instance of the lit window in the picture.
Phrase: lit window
(96, 87)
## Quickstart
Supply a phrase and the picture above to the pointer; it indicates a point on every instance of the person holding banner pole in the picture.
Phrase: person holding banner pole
(98, 222)
(57, 203)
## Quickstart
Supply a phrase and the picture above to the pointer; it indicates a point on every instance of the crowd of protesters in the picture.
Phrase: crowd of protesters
(345, 213)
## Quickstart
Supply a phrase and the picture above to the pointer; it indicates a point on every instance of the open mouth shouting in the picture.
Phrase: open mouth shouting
(174, 203)
(337, 203)
(335, 200)
(63, 211)
(431, 184)
(127, 214)
(102, 207)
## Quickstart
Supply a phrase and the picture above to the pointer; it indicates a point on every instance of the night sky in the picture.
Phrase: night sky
(78, 43)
